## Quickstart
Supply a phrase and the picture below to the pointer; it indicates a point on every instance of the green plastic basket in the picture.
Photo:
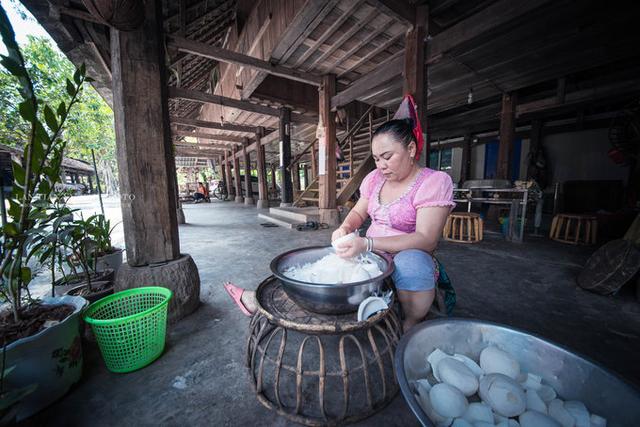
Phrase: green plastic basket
(130, 326)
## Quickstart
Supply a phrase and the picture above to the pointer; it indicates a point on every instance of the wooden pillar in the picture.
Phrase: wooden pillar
(286, 198)
(507, 135)
(415, 69)
(295, 176)
(146, 166)
(273, 178)
(90, 184)
(248, 195)
(263, 193)
(145, 158)
(465, 172)
(314, 161)
(327, 152)
(224, 176)
(236, 174)
(231, 191)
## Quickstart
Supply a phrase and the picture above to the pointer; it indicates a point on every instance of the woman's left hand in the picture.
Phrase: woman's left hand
(352, 247)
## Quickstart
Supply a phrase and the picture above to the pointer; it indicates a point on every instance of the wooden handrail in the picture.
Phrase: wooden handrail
(356, 127)
(302, 153)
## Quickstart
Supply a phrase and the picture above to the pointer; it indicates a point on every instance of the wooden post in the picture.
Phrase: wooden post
(415, 68)
(286, 198)
(236, 174)
(465, 171)
(231, 190)
(314, 161)
(223, 173)
(146, 167)
(263, 193)
(327, 152)
(274, 189)
(507, 135)
(248, 195)
(295, 176)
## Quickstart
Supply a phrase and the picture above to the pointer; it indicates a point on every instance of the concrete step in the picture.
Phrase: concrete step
(279, 220)
(297, 215)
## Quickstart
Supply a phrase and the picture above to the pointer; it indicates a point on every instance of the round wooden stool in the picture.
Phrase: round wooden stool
(320, 369)
(575, 229)
(463, 227)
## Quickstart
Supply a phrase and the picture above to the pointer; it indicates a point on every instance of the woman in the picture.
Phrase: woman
(408, 206)
(202, 194)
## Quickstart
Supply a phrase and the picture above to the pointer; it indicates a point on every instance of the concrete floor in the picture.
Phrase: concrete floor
(201, 378)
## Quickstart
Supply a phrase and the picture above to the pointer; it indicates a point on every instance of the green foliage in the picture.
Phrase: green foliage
(90, 123)
(37, 173)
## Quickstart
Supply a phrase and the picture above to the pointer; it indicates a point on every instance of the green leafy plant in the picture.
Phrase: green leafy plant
(101, 233)
(35, 175)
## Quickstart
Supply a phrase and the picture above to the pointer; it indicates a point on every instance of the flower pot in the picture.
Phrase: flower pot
(52, 359)
(102, 289)
(63, 286)
(110, 261)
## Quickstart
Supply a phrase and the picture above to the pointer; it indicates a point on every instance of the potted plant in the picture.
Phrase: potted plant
(107, 256)
(39, 338)
(85, 280)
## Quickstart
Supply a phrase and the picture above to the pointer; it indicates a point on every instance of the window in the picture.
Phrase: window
(441, 159)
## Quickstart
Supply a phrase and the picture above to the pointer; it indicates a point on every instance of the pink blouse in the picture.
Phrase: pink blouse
(430, 188)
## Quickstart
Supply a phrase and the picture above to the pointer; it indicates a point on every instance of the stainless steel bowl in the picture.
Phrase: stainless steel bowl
(574, 377)
(330, 298)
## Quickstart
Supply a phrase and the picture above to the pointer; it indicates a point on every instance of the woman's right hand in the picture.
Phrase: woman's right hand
(340, 232)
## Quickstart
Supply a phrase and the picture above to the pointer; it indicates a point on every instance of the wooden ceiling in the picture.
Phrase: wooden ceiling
(531, 46)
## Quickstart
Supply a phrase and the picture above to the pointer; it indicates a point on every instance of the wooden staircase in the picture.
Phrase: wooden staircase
(358, 162)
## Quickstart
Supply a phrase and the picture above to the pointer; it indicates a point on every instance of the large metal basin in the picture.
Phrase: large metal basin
(329, 298)
(574, 377)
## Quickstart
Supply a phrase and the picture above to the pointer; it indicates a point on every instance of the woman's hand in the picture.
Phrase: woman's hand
(352, 247)
(340, 232)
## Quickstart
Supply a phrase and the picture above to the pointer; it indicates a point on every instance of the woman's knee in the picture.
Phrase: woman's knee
(414, 270)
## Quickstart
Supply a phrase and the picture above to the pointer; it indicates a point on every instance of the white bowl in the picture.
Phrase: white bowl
(371, 306)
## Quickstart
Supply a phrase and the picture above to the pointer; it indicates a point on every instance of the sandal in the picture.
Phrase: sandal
(307, 226)
(235, 292)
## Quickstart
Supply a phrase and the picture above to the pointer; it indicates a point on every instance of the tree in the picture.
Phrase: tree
(90, 123)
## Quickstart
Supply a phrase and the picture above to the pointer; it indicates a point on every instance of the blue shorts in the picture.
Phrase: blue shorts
(414, 271)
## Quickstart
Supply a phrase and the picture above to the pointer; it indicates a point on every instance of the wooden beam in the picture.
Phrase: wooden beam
(465, 172)
(210, 136)
(211, 125)
(335, 25)
(375, 52)
(398, 9)
(296, 31)
(493, 16)
(381, 74)
(219, 54)
(327, 153)
(347, 35)
(197, 96)
(507, 134)
(365, 42)
(561, 89)
(263, 195)
(286, 196)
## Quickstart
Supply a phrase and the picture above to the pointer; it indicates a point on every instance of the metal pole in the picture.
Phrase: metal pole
(95, 170)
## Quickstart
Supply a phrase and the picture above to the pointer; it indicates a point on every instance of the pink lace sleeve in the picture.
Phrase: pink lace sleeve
(368, 185)
(435, 190)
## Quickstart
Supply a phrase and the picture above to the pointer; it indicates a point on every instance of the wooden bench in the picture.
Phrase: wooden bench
(463, 227)
(574, 229)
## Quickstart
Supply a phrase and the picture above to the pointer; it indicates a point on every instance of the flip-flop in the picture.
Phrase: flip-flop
(235, 292)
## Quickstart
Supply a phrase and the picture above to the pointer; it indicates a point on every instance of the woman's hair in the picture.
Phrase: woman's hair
(400, 129)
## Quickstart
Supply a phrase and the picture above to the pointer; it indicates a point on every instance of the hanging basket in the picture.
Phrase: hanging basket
(123, 15)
